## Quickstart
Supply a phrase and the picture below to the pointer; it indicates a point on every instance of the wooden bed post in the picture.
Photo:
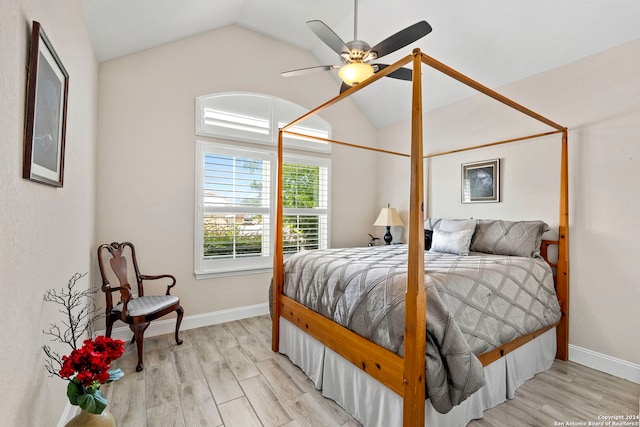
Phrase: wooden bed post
(563, 253)
(415, 322)
(278, 257)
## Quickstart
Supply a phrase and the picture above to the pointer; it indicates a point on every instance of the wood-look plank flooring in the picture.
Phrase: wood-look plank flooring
(227, 375)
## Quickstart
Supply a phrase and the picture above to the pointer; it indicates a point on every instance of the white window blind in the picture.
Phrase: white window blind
(236, 205)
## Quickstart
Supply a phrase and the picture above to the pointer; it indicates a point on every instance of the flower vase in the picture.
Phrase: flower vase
(87, 419)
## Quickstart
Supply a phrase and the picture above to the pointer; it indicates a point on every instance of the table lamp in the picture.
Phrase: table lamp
(388, 217)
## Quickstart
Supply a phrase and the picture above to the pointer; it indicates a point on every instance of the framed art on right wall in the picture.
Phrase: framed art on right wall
(481, 181)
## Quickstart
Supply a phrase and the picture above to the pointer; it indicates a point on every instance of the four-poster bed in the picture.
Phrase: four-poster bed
(405, 376)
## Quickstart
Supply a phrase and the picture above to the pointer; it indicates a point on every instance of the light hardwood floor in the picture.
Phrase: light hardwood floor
(227, 375)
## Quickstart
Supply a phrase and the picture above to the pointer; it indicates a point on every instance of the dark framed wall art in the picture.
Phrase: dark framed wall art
(481, 181)
(46, 112)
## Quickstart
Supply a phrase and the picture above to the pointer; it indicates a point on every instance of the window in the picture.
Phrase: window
(235, 197)
(256, 118)
(305, 187)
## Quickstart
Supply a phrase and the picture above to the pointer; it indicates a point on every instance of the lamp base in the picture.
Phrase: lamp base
(387, 237)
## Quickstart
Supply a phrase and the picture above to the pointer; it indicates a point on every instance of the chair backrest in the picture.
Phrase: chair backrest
(120, 256)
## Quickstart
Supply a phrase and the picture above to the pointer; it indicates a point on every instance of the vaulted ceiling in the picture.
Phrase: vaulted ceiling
(493, 41)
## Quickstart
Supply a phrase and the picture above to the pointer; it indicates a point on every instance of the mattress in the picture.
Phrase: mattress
(474, 304)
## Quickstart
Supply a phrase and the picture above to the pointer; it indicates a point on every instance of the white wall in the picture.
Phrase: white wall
(47, 232)
(597, 99)
(394, 175)
(146, 152)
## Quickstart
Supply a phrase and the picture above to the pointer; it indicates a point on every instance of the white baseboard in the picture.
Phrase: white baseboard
(601, 362)
(167, 326)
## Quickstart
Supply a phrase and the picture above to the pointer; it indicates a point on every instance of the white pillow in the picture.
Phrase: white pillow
(452, 242)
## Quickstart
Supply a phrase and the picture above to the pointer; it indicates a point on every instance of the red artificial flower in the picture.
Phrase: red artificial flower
(91, 362)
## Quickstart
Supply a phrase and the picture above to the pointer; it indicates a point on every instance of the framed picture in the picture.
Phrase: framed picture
(46, 112)
(481, 181)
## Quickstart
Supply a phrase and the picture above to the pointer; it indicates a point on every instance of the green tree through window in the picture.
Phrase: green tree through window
(300, 189)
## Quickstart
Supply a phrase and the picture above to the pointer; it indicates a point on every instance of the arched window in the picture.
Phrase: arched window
(256, 118)
(235, 183)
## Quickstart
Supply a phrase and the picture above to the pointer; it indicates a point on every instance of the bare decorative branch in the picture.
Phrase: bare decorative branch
(79, 315)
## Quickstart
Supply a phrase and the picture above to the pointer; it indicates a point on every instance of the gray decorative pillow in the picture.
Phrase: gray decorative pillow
(451, 242)
(514, 238)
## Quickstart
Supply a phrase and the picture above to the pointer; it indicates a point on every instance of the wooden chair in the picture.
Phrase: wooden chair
(137, 311)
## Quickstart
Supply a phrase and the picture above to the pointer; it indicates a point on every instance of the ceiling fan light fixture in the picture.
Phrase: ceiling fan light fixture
(355, 72)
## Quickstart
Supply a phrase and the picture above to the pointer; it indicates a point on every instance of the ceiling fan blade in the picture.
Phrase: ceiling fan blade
(401, 38)
(400, 73)
(308, 70)
(327, 35)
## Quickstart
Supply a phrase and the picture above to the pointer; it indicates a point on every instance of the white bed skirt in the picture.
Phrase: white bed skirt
(373, 404)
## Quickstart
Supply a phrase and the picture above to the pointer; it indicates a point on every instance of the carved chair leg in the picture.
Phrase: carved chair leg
(109, 327)
(138, 334)
(180, 312)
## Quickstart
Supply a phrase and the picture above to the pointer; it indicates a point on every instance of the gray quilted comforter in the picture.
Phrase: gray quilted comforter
(474, 304)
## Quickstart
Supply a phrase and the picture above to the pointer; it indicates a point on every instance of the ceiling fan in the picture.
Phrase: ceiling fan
(356, 55)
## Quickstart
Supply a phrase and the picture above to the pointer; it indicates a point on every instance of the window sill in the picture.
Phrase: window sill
(200, 275)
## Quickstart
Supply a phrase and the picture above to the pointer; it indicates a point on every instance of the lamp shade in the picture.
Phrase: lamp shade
(388, 217)
(355, 72)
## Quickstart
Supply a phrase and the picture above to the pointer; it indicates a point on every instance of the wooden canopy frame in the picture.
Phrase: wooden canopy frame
(406, 376)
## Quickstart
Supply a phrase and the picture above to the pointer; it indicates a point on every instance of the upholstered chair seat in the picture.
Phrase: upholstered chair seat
(144, 306)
